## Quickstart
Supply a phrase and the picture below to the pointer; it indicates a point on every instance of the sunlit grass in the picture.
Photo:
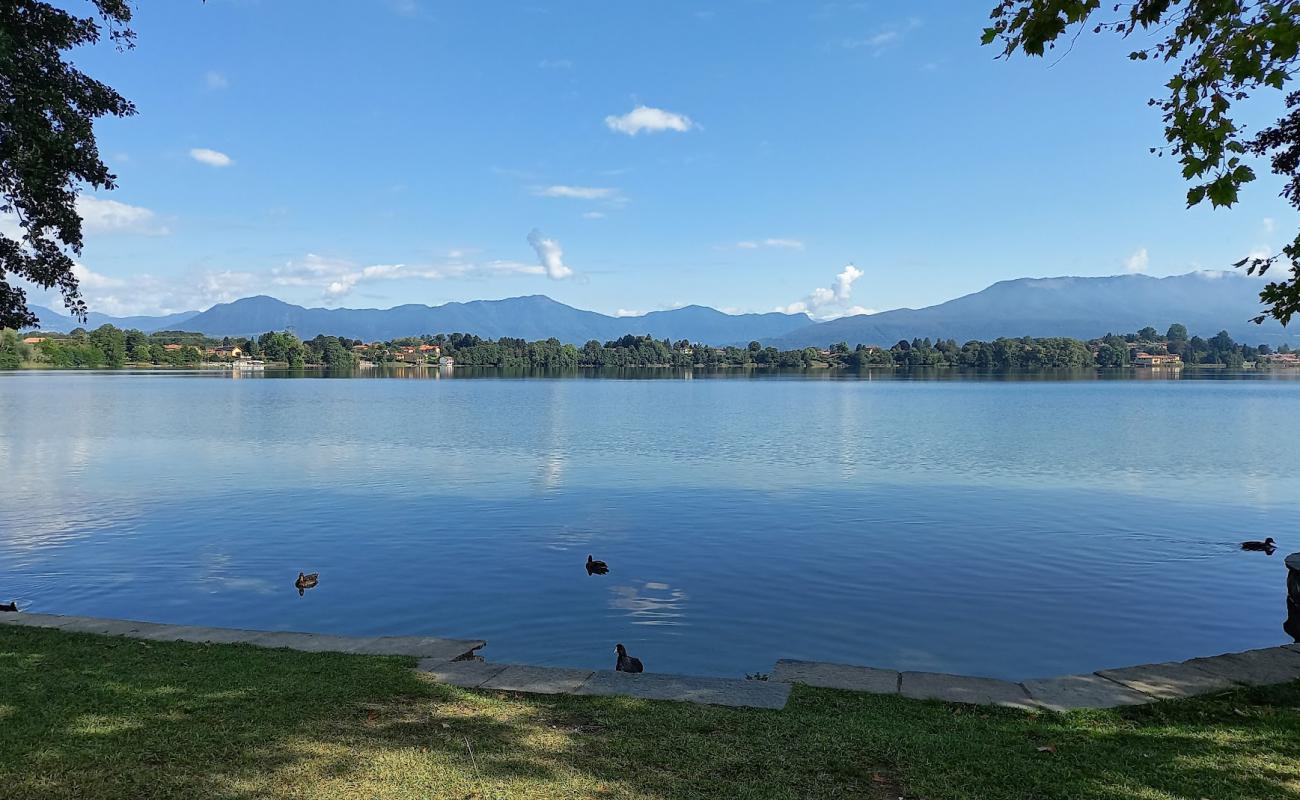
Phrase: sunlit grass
(97, 717)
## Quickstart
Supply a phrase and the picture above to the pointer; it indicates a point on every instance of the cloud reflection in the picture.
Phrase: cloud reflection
(652, 603)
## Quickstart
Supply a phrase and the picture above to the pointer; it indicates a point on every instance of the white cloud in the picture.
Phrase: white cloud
(100, 216)
(90, 280)
(109, 216)
(593, 215)
(650, 120)
(215, 80)
(555, 63)
(549, 255)
(851, 311)
(213, 158)
(884, 39)
(1138, 262)
(624, 312)
(338, 277)
(789, 244)
(1269, 224)
(312, 278)
(576, 192)
(832, 302)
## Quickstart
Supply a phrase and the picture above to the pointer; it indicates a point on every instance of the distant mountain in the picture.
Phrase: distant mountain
(55, 322)
(533, 317)
(1081, 308)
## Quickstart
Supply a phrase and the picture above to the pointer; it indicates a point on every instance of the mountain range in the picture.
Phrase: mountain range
(1083, 308)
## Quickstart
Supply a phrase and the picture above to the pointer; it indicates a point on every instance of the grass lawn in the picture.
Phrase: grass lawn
(97, 717)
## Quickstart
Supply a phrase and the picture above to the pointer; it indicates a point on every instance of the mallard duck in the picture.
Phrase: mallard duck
(595, 567)
(1267, 545)
(11, 607)
(626, 663)
(305, 582)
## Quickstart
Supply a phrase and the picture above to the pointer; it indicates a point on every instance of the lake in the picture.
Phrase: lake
(1010, 528)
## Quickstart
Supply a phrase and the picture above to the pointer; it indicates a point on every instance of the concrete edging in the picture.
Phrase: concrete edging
(453, 661)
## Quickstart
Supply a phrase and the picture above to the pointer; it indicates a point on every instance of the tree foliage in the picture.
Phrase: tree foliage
(47, 142)
(1224, 52)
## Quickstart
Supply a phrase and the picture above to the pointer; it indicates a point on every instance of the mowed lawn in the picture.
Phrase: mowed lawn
(97, 717)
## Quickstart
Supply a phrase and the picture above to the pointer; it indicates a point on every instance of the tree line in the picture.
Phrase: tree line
(109, 346)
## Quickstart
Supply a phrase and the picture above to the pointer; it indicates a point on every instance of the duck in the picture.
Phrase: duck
(307, 581)
(1266, 546)
(595, 567)
(10, 607)
(626, 663)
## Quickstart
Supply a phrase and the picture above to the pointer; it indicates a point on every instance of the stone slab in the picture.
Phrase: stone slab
(687, 689)
(308, 642)
(538, 680)
(963, 689)
(110, 627)
(32, 620)
(467, 674)
(1254, 667)
(419, 647)
(1082, 691)
(1292, 562)
(1170, 680)
(837, 676)
(203, 635)
(1295, 648)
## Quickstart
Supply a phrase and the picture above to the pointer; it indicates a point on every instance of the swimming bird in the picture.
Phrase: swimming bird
(11, 607)
(626, 663)
(596, 567)
(1266, 546)
(306, 582)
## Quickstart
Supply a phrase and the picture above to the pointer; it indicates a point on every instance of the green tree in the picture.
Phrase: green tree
(1224, 52)
(1177, 333)
(111, 343)
(137, 346)
(47, 142)
(10, 356)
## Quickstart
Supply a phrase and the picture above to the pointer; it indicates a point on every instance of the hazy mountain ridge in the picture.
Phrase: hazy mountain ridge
(56, 322)
(1081, 308)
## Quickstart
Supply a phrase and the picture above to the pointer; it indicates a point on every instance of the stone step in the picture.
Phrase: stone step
(837, 676)
(736, 692)
(1254, 667)
(1169, 681)
(963, 689)
(537, 680)
(1082, 691)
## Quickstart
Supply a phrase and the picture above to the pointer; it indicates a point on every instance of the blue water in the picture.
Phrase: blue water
(999, 527)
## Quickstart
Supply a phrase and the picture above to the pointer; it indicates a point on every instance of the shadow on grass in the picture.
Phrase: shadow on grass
(96, 717)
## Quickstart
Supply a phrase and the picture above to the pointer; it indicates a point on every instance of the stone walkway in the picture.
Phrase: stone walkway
(452, 661)
(1107, 688)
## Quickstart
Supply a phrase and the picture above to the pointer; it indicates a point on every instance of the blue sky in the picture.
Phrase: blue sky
(368, 154)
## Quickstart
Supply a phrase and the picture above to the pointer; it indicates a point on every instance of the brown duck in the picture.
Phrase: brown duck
(306, 581)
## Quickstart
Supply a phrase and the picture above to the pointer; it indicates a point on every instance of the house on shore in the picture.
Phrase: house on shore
(1279, 360)
(1158, 361)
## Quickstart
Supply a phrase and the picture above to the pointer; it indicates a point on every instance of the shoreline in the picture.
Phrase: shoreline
(455, 661)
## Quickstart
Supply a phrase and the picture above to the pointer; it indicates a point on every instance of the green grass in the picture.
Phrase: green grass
(96, 717)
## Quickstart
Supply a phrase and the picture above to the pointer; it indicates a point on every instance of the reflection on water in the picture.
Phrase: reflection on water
(651, 603)
(1001, 527)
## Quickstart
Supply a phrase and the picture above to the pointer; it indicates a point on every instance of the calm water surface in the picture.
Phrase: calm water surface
(1005, 528)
